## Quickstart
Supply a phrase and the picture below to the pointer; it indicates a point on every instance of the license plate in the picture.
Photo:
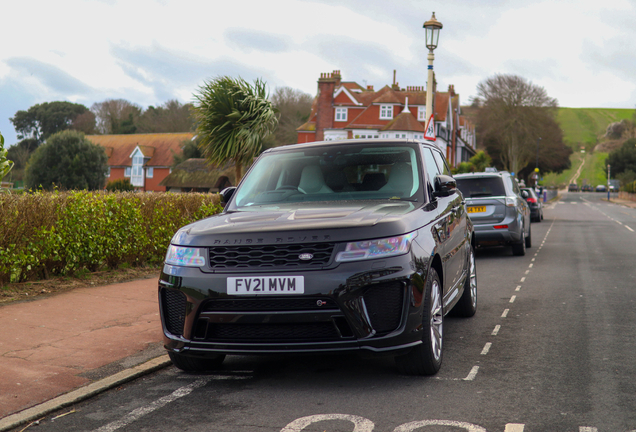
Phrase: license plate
(478, 209)
(266, 285)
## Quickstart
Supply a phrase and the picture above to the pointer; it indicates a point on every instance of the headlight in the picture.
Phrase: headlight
(185, 256)
(376, 248)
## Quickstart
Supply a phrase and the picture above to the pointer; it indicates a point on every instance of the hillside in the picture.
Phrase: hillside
(585, 127)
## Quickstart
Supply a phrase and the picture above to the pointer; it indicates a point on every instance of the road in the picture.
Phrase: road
(551, 348)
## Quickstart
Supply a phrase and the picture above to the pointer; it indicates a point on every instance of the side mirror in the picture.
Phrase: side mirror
(444, 185)
(226, 195)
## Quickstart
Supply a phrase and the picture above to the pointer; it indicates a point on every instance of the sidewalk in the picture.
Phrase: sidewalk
(51, 346)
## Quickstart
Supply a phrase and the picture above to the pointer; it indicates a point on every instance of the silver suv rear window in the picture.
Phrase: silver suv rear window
(481, 187)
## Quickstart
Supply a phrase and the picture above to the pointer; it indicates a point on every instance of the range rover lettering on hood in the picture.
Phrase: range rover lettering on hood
(296, 239)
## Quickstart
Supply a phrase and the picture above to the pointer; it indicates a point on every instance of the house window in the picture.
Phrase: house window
(386, 112)
(150, 172)
(108, 172)
(341, 114)
(137, 177)
(421, 113)
(127, 172)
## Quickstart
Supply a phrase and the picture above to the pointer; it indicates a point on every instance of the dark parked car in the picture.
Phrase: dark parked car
(601, 188)
(573, 187)
(587, 188)
(499, 213)
(355, 245)
(535, 204)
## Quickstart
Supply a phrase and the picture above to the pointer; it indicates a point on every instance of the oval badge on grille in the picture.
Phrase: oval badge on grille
(305, 256)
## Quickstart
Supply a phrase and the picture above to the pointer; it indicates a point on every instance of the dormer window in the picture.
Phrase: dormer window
(386, 112)
(421, 113)
(341, 114)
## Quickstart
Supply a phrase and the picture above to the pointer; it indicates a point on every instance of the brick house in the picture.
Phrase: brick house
(346, 110)
(144, 159)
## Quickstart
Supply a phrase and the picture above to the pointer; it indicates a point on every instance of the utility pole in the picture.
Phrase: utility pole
(608, 182)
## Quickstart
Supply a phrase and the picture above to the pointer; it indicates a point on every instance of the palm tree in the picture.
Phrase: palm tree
(5, 164)
(233, 119)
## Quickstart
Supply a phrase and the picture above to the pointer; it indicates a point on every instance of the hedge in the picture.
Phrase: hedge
(59, 233)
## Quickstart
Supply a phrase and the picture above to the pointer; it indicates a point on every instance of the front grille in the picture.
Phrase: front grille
(174, 309)
(292, 332)
(269, 304)
(270, 256)
(384, 304)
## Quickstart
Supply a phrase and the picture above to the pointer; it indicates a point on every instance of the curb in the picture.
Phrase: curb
(92, 389)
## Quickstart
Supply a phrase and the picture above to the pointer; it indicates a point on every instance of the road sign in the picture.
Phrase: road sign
(429, 134)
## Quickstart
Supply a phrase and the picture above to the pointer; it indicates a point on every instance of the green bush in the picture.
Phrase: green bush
(60, 233)
(120, 185)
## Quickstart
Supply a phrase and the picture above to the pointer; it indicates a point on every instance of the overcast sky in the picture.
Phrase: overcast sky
(149, 51)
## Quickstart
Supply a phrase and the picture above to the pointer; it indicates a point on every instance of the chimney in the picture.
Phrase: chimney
(370, 87)
(451, 90)
(324, 111)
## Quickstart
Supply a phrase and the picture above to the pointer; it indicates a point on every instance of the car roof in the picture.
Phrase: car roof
(481, 174)
(350, 142)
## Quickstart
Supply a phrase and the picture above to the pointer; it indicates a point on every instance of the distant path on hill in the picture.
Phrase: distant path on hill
(576, 175)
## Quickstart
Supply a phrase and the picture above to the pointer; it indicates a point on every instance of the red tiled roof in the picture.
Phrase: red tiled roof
(404, 122)
(441, 106)
(159, 147)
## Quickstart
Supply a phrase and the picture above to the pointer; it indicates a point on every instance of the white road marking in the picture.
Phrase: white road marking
(411, 427)
(486, 348)
(505, 313)
(532, 260)
(531, 265)
(514, 427)
(523, 279)
(496, 330)
(512, 299)
(360, 424)
(619, 222)
(136, 414)
(587, 429)
(629, 228)
(518, 288)
(472, 374)
(528, 271)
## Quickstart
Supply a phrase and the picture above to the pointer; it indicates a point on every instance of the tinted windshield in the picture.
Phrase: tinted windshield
(481, 187)
(332, 173)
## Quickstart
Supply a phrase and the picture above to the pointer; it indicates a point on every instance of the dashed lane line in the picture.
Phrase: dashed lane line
(486, 348)
(505, 313)
(496, 330)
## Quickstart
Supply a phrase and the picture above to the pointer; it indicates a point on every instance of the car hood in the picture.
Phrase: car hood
(307, 222)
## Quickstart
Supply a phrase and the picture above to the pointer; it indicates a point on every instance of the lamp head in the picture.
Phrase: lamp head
(432, 28)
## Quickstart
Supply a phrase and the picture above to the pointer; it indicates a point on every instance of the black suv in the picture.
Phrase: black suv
(324, 247)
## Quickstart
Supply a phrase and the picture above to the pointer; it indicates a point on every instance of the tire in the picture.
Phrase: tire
(196, 364)
(519, 249)
(467, 304)
(529, 238)
(426, 358)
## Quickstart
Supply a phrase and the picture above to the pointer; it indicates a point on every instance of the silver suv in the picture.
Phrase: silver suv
(499, 213)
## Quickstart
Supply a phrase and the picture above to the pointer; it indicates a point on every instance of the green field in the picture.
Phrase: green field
(583, 128)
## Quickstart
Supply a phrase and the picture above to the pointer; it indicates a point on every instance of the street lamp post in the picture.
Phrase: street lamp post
(432, 28)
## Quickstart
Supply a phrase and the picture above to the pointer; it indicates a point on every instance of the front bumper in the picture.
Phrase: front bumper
(373, 305)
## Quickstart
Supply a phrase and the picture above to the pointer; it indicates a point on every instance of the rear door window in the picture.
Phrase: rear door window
(481, 187)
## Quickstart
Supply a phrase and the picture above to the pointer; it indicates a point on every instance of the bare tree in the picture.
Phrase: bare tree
(513, 115)
(116, 116)
(294, 108)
